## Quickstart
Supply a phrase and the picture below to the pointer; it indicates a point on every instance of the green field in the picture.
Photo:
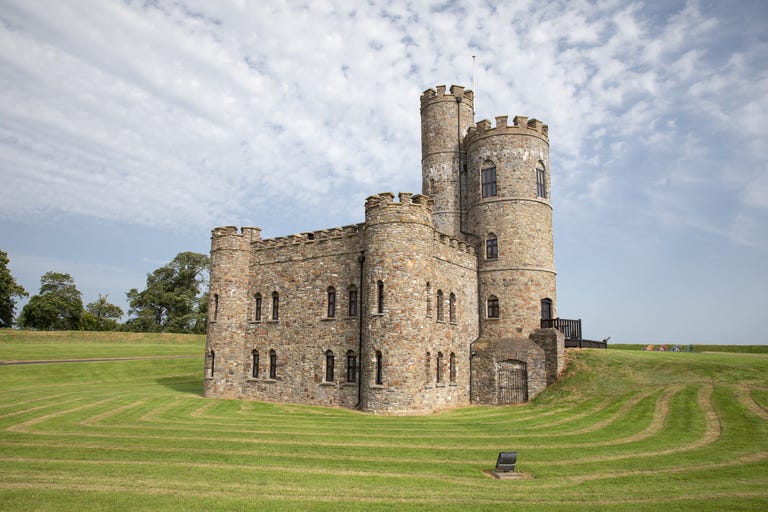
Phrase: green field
(623, 430)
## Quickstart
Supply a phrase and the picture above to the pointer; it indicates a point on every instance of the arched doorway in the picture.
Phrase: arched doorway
(512, 381)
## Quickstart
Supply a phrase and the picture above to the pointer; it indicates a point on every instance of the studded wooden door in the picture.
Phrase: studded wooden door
(512, 382)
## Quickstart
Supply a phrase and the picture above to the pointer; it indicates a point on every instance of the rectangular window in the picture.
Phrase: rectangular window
(380, 286)
(329, 366)
(541, 187)
(275, 306)
(215, 306)
(331, 302)
(351, 367)
(272, 364)
(491, 248)
(353, 302)
(257, 311)
(255, 370)
(489, 181)
(379, 369)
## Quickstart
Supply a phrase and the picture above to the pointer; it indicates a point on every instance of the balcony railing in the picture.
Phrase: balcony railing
(572, 331)
(571, 328)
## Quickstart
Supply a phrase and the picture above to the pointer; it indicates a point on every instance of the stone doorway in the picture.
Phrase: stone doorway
(512, 382)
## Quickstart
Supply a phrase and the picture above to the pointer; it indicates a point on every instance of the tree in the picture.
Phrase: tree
(58, 306)
(175, 299)
(8, 290)
(101, 315)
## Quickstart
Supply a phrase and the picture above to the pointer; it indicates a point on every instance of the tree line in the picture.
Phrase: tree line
(175, 300)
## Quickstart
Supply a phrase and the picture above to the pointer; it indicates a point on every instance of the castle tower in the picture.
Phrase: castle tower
(445, 119)
(227, 310)
(509, 210)
(398, 238)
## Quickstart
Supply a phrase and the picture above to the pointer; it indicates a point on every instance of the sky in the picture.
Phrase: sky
(130, 129)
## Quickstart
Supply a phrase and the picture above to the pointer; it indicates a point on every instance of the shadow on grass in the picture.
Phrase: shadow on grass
(181, 385)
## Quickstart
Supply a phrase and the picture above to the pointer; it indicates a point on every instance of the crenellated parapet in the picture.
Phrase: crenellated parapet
(438, 94)
(521, 125)
(459, 245)
(408, 209)
(309, 237)
(229, 238)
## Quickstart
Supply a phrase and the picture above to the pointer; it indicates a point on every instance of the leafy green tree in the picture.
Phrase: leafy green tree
(58, 306)
(101, 315)
(8, 290)
(175, 299)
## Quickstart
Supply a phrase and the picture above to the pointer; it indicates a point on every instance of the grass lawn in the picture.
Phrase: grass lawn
(623, 430)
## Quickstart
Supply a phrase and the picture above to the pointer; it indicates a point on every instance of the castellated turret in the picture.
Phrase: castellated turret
(510, 212)
(445, 119)
(227, 305)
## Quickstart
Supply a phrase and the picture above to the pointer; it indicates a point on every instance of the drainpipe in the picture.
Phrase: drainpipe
(361, 261)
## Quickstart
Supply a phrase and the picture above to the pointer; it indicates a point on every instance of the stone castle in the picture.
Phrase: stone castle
(435, 301)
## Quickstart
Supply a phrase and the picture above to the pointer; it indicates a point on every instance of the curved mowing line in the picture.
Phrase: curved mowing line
(744, 394)
(24, 426)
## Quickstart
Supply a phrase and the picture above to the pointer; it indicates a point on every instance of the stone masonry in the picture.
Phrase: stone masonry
(434, 301)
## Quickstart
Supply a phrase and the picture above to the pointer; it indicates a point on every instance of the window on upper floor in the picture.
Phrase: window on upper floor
(488, 179)
(491, 247)
(275, 305)
(351, 366)
(380, 296)
(439, 370)
(331, 302)
(215, 306)
(440, 314)
(352, 310)
(452, 307)
(546, 309)
(541, 180)
(329, 365)
(427, 366)
(429, 299)
(257, 307)
(493, 307)
(452, 367)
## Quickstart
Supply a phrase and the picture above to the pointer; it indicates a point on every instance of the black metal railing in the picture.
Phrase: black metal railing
(570, 328)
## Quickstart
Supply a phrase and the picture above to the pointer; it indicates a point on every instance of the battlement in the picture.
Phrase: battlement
(309, 237)
(521, 125)
(228, 237)
(438, 94)
(405, 200)
(455, 243)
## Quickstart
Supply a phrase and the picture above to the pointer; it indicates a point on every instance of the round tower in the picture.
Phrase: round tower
(398, 238)
(445, 119)
(228, 303)
(509, 210)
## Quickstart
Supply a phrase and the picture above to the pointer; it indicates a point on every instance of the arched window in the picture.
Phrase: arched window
(452, 367)
(493, 307)
(272, 364)
(440, 314)
(255, 369)
(427, 366)
(452, 307)
(429, 299)
(379, 369)
(491, 247)
(257, 307)
(439, 367)
(329, 365)
(351, 366)
(275, 306)
(380, 296)
(215, 306)
(488, 178)
(546, 309)
(352, 310)
(331, 302)
(541, 180)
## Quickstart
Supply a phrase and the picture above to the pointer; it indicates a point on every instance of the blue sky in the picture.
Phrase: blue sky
(128, 130)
